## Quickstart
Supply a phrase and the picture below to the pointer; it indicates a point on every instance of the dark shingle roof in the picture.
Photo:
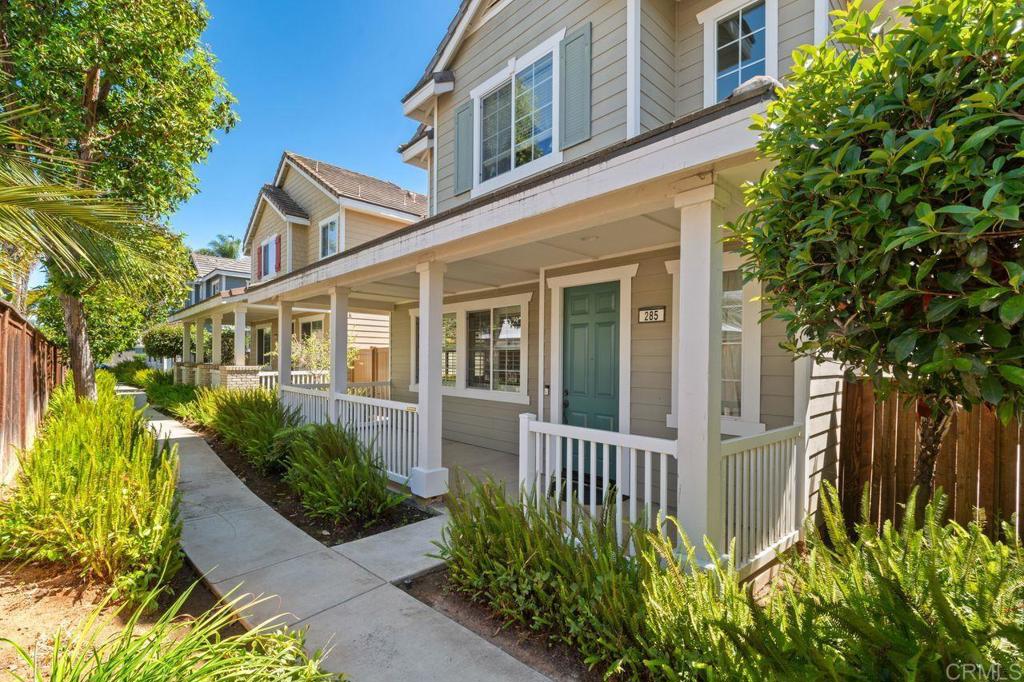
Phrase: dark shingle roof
(283, 201)
(449, 34)
(207, 264)
(422, 131)
(345, 183)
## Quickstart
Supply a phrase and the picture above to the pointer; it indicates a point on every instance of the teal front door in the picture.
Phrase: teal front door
(590, 366)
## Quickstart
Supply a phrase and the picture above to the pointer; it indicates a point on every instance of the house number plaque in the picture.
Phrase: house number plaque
(655, 313)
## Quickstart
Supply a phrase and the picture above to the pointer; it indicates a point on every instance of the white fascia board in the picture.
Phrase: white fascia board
(417, 106)
(381, 211)
(697, 147)
(207, 307)
(412, 154)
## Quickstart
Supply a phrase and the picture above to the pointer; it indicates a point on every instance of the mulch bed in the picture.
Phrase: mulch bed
(560, 662)
(275, 492)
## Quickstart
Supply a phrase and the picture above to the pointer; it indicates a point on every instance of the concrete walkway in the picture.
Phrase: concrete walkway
(341, 596)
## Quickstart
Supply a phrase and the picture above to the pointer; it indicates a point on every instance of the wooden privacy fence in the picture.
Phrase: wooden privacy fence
(30, 367)
(979, 466)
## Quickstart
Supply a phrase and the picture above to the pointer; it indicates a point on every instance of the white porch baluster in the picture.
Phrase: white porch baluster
(240, 358)
(699, 363)
(428, 478)
(339, 347)
(284, 343)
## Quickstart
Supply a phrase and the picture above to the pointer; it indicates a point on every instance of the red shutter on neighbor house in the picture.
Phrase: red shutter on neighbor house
(259, 262)
(277, 254)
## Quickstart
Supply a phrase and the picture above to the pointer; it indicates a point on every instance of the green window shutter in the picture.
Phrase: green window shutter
(574, 85)
(464, 148)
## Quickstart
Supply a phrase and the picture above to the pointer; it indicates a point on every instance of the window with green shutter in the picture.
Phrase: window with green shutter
(575, 68)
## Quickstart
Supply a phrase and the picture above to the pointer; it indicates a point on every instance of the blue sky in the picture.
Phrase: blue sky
(322, 78)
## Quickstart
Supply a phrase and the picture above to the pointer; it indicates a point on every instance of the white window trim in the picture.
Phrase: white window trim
(749, 422)
(624, 276)
(553, 46)
(254, 341)
(337, 218)
(308, 319)
(522, 396)
(271, 260)
(710, 18)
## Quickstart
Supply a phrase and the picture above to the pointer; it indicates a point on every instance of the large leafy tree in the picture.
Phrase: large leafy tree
(888, 231)
(129, 90)
(115, 318)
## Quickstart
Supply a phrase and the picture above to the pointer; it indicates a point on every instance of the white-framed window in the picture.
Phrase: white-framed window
(740, 41)
(268, 256)
(483, 350)
(330, 237)
(264, 343)
(515, 114)
(741, 349)
(308, 328)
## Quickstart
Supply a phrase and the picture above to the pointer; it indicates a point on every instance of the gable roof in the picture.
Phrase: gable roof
(283, 201)
(206, 264)
(453, 29)
(342, 182)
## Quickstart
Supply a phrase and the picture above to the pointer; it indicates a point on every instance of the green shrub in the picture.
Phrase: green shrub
(336, 476)
(897, 604)
(127, 371)
(176, 648)
(96, 491)
(247, 420)
(900, 604)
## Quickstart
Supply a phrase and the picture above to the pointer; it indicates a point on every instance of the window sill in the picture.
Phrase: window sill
(481, 394)
(516, 174)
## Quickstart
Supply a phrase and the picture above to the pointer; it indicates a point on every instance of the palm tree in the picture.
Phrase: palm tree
(223, 245)
(79, 234)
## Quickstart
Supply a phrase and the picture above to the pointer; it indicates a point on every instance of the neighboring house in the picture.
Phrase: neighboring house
(215, 274)
(569, 313)
(312, 210)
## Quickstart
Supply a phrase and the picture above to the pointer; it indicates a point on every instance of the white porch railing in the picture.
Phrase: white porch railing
(571, 462)
(389, 427)
(371, 389)
(762, 501)
(300, 377)
(761, 478)
(311, 403)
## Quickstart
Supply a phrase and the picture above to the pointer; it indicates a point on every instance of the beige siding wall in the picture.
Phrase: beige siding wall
(657, 62)
(485, 423)
(796, 27)
(519, 27)
(268, 224)
(362, 227)
(368, 330)
(318, 205)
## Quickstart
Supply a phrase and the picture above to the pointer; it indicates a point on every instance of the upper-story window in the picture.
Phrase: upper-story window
(267, 257)
(516, 111)
(740, 42)
(328, 237)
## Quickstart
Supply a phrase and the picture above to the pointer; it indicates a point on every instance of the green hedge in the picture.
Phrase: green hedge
(96, 491)
(899, 604)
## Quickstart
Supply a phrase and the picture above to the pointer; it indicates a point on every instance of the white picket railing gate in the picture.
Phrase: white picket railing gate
(389, 427)
(311, 403)
(300, 377)
(371, 389)
(587, 465)
(763, 504)
(762, 480)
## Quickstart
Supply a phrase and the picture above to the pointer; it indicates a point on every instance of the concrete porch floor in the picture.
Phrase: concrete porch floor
(481, 462)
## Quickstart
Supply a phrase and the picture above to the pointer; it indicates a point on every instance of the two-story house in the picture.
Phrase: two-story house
(570, 315)
(311, 211)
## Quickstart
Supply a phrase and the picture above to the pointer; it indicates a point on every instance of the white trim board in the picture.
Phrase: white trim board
(624, 275)
(522, 396)
(749, 422)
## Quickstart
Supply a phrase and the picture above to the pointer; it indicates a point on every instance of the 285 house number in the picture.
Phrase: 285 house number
(651, 314)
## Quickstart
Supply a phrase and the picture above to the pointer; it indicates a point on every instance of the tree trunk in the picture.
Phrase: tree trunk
(82, 367)
(931, 429)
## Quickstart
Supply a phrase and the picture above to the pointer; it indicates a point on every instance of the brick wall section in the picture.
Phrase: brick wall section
(239, 377)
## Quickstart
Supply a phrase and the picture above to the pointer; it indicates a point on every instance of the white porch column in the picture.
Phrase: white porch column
(200, 338)
(215, 351)
(338, 340)
(699, 366)
(429, 478)
(240, 358)
(284, 343)
(186, 341)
